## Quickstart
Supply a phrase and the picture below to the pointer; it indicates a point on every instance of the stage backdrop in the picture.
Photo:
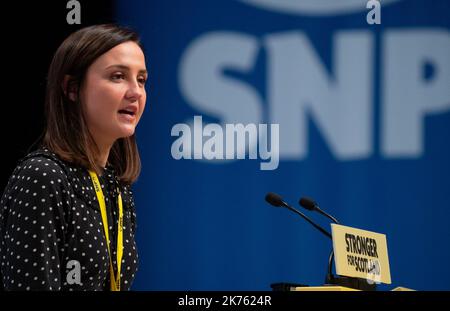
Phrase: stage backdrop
(364, 121)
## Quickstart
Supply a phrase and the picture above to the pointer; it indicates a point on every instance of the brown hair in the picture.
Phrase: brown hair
(66, 132)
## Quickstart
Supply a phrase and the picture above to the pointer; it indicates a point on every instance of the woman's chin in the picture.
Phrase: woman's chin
(126, 131)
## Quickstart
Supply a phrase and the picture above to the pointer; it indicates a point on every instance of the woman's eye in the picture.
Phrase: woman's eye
(117, 76)
(142, 80)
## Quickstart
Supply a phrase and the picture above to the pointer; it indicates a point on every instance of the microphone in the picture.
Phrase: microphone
(276, 200)
(311, 205)
(357, 283)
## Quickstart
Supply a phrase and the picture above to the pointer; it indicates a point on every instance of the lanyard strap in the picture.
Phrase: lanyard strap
(115, 280)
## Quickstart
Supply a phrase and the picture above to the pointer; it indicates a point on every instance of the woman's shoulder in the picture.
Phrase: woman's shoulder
(37, 172)
(43, 166)
(42, 160)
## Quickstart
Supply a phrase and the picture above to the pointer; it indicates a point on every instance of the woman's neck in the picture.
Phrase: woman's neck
(104, 146)
(103, 157)
(103, 153)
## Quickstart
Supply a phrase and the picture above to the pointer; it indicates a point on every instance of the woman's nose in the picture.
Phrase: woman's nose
(134, 91)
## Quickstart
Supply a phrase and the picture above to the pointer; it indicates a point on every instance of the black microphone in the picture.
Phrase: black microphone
(311, 205)
(276, 200)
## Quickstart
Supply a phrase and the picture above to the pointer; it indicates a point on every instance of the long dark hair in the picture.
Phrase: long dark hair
(66, 132)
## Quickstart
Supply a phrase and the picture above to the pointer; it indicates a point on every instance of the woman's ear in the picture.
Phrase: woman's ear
(70, 88)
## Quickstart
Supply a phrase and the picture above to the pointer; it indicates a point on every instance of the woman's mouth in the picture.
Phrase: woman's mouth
(128, 112)
(127, 115)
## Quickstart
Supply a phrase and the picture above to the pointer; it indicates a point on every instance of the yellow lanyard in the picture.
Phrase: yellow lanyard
(115, 280)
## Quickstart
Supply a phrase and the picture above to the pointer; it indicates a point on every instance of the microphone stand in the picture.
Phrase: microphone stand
(351, 282)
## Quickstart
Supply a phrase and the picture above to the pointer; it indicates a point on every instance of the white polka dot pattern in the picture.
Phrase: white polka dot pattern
(49, 215)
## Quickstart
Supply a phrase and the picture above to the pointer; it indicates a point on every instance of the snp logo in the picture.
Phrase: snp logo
(357, 112)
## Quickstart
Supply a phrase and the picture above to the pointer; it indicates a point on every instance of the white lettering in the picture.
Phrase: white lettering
(408, 96)
(374, 15)
(236, 135)
(74, 15)
(300, 87)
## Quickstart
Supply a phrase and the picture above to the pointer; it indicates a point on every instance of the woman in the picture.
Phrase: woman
(67, 218)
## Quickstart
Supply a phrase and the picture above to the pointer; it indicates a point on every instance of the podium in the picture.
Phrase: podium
(295, 287)
(339, 289)
(323, 289)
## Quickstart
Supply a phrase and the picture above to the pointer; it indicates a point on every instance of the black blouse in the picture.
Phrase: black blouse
(50, 220)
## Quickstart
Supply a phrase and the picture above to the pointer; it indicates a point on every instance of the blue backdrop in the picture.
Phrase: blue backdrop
(364, 122)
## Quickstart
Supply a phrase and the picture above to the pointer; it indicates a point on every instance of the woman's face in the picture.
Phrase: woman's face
(113, 96)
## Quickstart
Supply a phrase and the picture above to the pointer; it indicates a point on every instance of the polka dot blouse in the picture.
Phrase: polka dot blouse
(50, 219)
